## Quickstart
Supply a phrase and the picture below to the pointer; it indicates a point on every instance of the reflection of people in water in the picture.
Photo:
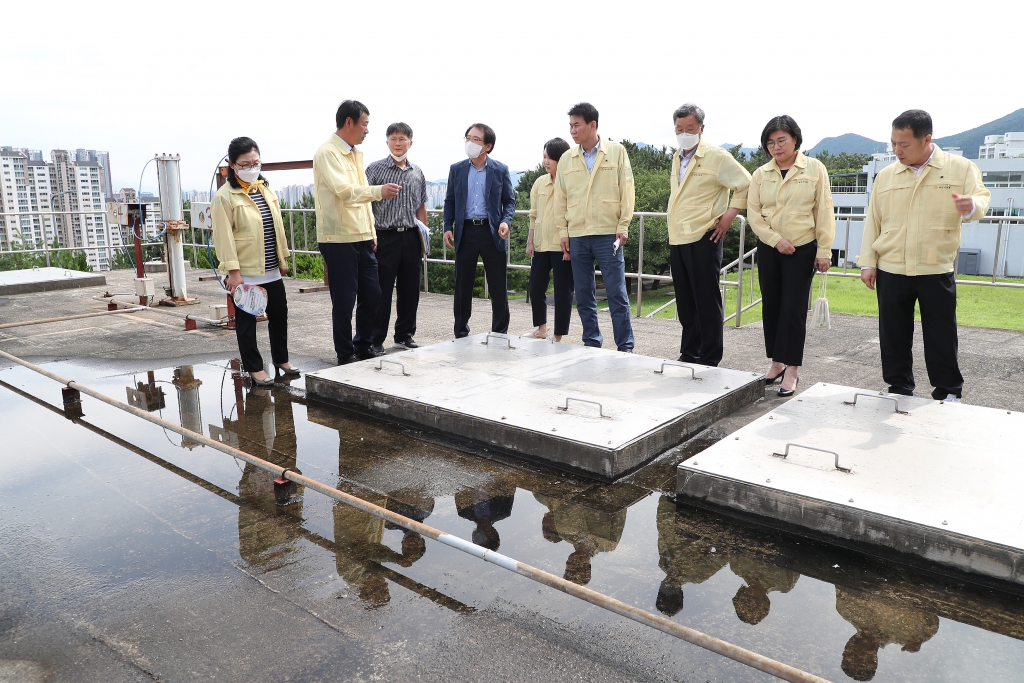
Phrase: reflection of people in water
(265, 427)
(751, 600)
(359, 538)
(486, 505)
(879, 622)
(588, 531)
(684, 560)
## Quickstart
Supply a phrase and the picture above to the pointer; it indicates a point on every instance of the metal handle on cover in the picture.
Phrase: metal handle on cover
(693, 370)
(486, 340)
(600, 408)
(881, 396)
(381, 362)
(812, 448)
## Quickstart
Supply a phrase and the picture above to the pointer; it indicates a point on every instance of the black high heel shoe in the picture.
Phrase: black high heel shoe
(786, 393)
(768, 381)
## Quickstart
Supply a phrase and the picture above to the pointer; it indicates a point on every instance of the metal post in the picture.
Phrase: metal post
(487, 294)
(846, 247)
(640, 271)
(172, 215)
(995, 258)
(291, 229)
(46, 247)
(739, 273)
(426, 280)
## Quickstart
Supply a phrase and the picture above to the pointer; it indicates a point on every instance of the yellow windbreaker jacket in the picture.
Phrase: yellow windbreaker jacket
(341, 194)
(697, 203)
(542, 210)
(238, 230)
(597, 203)
(912, 225)
(797, 207)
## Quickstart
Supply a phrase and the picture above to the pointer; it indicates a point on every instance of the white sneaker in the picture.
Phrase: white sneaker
(536, 334)
(952, 398)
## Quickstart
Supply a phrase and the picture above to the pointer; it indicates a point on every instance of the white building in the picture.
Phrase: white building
(1006, 146)
(1003, 176)
(293, 194)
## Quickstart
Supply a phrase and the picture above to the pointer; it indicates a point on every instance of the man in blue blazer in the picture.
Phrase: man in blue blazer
(478, 209)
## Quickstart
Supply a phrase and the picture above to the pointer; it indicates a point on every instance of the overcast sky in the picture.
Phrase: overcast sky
(138, 78)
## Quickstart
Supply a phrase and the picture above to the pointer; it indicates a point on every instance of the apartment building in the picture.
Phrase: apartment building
(1006, 146)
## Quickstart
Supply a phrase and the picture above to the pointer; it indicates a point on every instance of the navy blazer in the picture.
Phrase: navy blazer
(500, 199)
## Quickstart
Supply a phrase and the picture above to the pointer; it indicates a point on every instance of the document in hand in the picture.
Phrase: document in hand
(251, 298)
(424, 237)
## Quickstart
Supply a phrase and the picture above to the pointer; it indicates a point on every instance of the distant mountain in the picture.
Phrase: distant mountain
(850, 143)
(970, 140)
(746, 150)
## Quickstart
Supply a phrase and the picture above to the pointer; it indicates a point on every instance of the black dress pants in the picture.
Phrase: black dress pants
(541, 266)
(277, 319)
(936, 295)
(695, 270)
(785, 290)
(399, 257)
(477, 243)
(352, 275)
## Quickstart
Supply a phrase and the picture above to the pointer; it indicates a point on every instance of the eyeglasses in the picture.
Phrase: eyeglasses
(254, 166)
(401, 139)
(476, 138)
(771, 144)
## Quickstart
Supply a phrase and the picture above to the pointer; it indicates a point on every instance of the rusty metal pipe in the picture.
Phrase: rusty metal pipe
(141, 307)
(77, 316)
(716, 645)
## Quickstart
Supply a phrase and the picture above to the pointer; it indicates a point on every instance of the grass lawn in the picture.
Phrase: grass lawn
(976, 306)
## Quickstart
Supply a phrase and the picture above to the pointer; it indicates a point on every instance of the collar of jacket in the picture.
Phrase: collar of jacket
(801, 162)
(577, 151)
(238, 190)
(938, 160)
(341, 144)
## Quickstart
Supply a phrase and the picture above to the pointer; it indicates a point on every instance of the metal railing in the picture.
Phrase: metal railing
(299, 220)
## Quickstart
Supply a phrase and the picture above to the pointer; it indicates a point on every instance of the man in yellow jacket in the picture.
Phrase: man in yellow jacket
(345, 231)
(593, 205)
(911, 237)
(699, 214)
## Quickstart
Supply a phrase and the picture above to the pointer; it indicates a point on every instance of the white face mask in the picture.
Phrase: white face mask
(248, 176)
(401, 158)
(687, 140)
(473, 150)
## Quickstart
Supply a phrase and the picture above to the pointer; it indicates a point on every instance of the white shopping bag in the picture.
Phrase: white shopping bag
(819, 315)
(251, 298)
(424, 237)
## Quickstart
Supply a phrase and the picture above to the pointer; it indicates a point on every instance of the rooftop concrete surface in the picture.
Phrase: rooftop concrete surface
(992, 360)
(112, 569)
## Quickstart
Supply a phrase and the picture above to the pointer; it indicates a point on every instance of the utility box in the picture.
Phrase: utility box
(144, 286)
(968, 262)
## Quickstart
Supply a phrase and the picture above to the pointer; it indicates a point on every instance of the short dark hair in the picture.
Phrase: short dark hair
(917, 120)
(689, 109)
(399, 127)
(489, 137)
(350, 109)
(585, 110)
(784, 123)
(237, 148)
(555, 148)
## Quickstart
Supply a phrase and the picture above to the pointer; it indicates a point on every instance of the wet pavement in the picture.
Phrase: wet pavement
(129, 553)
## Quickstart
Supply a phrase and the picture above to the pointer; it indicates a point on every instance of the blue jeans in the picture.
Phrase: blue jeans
(584, 251)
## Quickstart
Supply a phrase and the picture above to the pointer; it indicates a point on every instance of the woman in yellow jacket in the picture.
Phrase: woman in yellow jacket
(545, 247)
(249, 237)
(789, 207)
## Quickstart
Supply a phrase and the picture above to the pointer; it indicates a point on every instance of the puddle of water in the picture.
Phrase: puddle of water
(119, 504)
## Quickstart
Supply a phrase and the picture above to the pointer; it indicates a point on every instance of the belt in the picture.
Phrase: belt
(394, 229)
(475, 221)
